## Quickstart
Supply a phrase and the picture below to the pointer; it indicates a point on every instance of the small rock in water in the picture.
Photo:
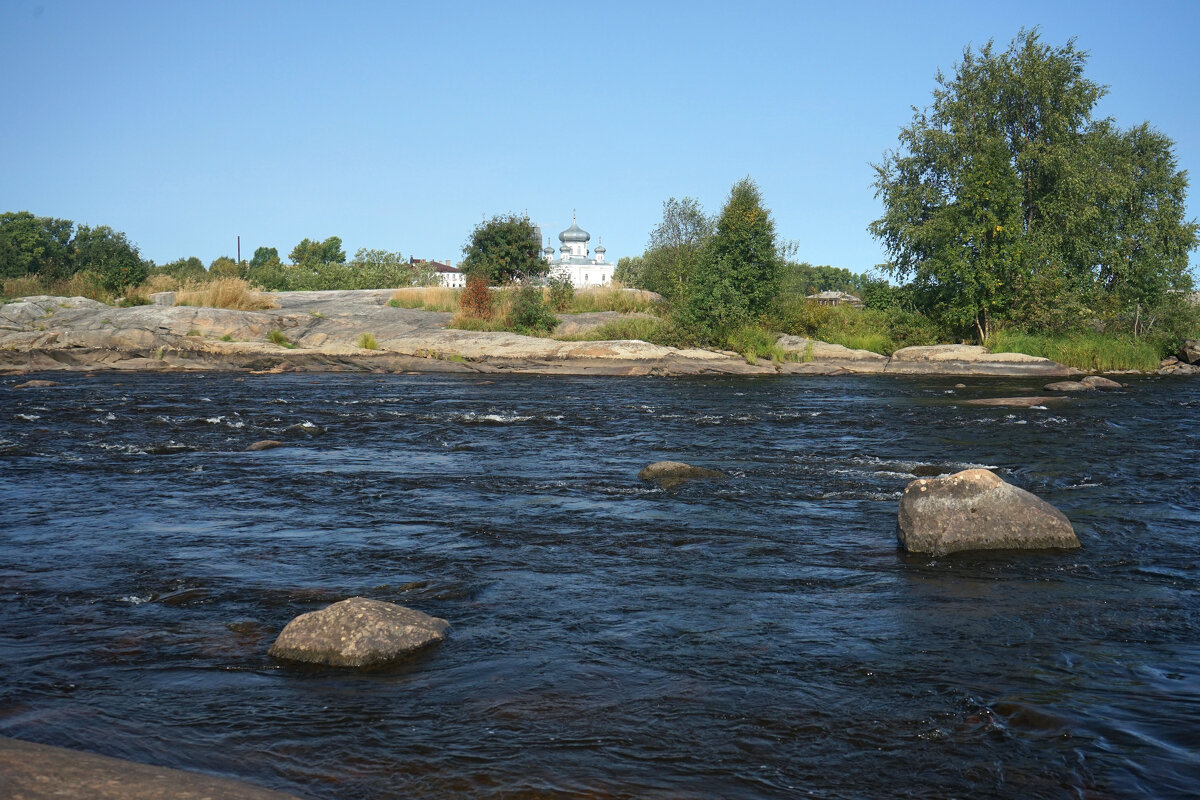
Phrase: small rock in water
(1014, 402)
(37, 384)
(960, 386)
(976, 510)
(669, 474)
(265, 444)
(1100, 382)
(1068, 386)
(357, 632)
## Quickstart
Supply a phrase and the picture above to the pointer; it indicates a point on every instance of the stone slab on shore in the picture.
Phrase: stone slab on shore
(320, 331)
(30, 771)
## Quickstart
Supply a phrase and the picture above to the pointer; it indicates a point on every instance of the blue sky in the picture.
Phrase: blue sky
(401, 125)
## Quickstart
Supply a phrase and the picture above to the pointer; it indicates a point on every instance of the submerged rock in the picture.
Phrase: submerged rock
(976, 510)
(36, 384)
(1013, 402)
(669, 474)
(265, 444)
(1100, 382)
(357, 632)
(1067, 386)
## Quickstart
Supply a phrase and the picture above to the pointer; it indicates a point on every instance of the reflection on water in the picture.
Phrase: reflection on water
(760, 637)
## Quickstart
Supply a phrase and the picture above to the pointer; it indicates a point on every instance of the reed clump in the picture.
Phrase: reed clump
(233, 293)
(429, 298)
(1092, 352)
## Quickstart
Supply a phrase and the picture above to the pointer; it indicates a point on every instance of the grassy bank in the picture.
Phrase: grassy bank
(1092, 352)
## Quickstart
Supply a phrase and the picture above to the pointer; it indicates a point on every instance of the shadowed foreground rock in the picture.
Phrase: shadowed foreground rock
(669, 474)
(31, 771)
(357, 632)
(976, 510)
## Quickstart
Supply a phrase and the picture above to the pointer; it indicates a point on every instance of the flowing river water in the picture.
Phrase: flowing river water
(761, 637)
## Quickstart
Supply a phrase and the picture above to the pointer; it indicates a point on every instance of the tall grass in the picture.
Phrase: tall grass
(233, 293)
(1093, 352)
(612, 298)
(646, 329)
(81, 284)
(429, 298)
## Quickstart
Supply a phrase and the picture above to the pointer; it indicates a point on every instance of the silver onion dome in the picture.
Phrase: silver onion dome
(574, 234)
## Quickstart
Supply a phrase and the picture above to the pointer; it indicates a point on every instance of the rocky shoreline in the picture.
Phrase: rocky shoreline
(321, 331)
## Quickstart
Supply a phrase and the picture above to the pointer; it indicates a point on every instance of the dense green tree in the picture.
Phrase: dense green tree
(264, 256)
(503, 249)
(110, 255)
(674, 248)
(182, 268)
(737, 274)
(804, 279)
(31, 244)
(225, 267)
(309, 253)
(389, 269)
(1007, 201)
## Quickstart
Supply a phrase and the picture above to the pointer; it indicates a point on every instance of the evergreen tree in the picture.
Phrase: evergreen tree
(737, 273)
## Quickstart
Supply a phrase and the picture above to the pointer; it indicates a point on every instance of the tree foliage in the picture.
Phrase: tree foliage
(30, 244)
(110, 255)
(503, 249)
(669, 263)
(310, 253)
(737, 273)
(264, 256)
(1007, 201)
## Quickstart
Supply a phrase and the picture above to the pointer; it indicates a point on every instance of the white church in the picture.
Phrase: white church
(584, 269)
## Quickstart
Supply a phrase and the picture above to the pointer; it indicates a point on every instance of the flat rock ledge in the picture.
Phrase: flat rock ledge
(357, 632)
(976, 510)
(321, 332)
(669, 474)
(30, 771)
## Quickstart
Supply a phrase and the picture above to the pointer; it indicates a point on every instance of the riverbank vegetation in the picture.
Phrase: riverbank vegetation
(1010, 215)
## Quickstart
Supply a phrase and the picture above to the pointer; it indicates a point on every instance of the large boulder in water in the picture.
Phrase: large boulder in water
(976, 510)
(669, 474)
(357, 632)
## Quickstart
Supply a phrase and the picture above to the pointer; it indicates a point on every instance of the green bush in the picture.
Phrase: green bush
(367, 342)
(529, 315)
(562, 292)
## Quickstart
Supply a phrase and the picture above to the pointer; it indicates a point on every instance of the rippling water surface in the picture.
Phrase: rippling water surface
(757, 638)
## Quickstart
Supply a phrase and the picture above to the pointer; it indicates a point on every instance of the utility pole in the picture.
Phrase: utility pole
(239, 248)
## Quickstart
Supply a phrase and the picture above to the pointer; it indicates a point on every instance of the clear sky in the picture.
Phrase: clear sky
(401, 125)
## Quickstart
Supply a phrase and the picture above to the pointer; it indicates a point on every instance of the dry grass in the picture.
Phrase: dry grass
(429, 298)
(232, 293)
(81, 284)
(613, 297)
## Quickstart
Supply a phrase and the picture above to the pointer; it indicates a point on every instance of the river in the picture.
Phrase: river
(760, 637)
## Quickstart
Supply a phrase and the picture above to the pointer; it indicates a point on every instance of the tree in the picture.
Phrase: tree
(31, 244)
(737, 273)
(312, 253)
(109, 254)
(674, 248)
(1005, 198)
(182, 268)
(390, 269)
(225, 267)
(503, 249)
(264, 256)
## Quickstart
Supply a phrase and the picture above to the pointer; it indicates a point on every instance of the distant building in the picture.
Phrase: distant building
(448, 276)
(583, 268)
(835, 299)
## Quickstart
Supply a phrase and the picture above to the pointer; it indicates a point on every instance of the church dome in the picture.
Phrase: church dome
(600, 248)
(574, 234)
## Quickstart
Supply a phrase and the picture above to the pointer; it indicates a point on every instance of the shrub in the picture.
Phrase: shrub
(367, 342)
(562, 292)
(233, 293)
(529, 314)
(476, 299)
(277, 337)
